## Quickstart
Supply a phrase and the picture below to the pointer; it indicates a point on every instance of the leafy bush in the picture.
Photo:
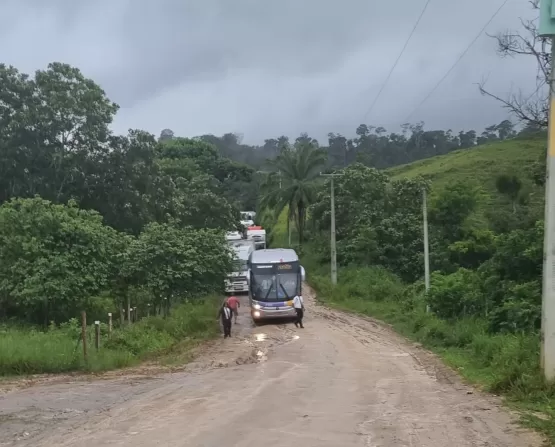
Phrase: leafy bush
(52, 259)
(520, 311)
(456, 295)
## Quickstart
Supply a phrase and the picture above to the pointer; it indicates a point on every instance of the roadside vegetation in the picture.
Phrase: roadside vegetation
(127, 225)
(58, 349)
(486, 248)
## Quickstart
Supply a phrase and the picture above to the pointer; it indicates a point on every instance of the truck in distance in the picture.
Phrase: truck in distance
(236, 282)
(258, 235)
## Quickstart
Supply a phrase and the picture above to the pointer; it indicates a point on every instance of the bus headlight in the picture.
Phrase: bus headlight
(256, 314)
(257, 306)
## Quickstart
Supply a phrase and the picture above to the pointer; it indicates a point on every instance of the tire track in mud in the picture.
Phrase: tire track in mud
(364, 328)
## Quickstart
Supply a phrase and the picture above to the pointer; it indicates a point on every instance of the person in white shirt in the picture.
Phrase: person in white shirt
(298, 304)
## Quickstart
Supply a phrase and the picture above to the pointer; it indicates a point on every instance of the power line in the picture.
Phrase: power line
(398, 58)
(457, 61)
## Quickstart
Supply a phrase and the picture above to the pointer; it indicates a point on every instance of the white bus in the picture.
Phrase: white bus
(275, 276)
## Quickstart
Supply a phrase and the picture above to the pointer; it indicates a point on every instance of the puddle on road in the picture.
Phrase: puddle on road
(260, 337)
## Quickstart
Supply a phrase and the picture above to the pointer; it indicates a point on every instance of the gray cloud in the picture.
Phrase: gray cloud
(270, 68)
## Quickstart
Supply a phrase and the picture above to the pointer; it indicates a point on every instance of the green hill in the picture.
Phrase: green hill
(479, 167)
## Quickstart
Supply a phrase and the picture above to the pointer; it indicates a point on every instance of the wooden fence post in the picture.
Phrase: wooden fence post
(97, 335)
(84, 334)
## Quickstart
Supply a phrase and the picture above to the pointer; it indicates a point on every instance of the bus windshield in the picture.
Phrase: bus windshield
(268, 285)
(288, 285)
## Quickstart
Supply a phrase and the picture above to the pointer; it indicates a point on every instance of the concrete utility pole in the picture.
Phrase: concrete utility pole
(289, 231)
(547, 29)
(332, 242)
(426, 245)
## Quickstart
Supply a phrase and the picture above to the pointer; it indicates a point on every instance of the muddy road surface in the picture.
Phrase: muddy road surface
(341, 381)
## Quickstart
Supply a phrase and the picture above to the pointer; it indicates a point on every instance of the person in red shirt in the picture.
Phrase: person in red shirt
(234, 305)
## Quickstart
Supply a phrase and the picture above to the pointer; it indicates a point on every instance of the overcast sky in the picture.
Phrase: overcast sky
(266, 68)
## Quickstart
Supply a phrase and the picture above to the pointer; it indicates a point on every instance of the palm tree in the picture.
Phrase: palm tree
(298, 167)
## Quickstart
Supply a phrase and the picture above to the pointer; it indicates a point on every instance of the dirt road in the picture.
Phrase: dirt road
(341, 381)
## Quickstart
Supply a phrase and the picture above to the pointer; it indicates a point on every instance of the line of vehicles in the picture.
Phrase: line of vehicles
(271, 277)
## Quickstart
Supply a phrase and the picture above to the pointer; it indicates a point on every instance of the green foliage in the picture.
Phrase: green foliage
(295, 191)
(94, 221)
(24, 351)
(91, 221)
(481, 166)
(456, 295)
(451, 208)
(510, 185)
(52, 259)
(178, 262)
(477, 247)
(377, 221)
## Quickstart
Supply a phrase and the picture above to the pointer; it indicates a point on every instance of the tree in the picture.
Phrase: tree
(205, 183)
(299, 169)
(50, 126)
(451, 208)
(53, 259)
(378, 221)
(165, 135)
(176, 263)
(509, 185)
(530, 109)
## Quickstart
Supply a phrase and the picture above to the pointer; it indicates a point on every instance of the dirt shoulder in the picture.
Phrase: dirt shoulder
(343, 380)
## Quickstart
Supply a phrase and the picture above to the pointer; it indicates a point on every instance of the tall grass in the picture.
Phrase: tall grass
(29, 351)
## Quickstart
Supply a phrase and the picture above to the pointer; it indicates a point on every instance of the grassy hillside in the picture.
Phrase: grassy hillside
(479, 167)
(480, 162)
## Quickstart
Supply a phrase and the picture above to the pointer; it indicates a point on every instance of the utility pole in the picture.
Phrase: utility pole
(547, 29)
(289, 231)
(332, 242)
(426, 245)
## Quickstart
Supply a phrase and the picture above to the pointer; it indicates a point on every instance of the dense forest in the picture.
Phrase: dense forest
(370, 145)
(70, 187)
(85, 213)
